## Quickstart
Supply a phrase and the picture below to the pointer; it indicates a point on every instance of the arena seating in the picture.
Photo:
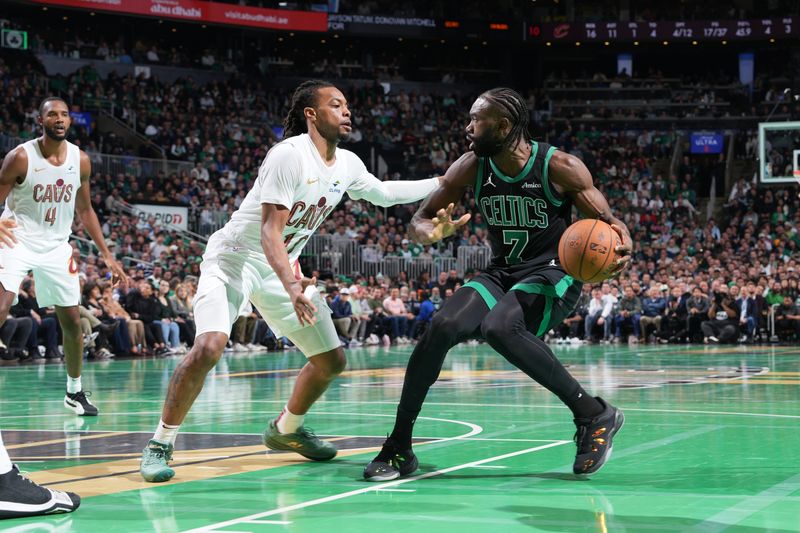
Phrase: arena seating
(216, 135)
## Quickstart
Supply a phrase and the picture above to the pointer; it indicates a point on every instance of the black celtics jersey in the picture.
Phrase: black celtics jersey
(525, 215)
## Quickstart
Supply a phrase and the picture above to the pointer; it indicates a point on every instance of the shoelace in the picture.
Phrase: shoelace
(386, 455)
(24, 475)
(82, 395)
(580, 435)
(160, 452)
(307, 432)
(390, 455)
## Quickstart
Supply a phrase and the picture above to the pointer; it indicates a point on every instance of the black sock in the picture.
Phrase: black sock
(582, 404)
(403, 429)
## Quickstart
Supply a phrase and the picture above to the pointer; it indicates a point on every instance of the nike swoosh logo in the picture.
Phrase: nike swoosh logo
(312, 181)
(38, 169)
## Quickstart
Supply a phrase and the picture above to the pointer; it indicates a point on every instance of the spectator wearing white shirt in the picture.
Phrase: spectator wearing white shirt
(199, 172)
(208, 59)
(371, 253)
(748, 317)
(656, 204)
(152, 55)
(158, 246)
(599, 314)
(404, 250)
(739, 191)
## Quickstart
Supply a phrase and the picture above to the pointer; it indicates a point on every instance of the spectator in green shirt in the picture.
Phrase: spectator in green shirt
(775, 296)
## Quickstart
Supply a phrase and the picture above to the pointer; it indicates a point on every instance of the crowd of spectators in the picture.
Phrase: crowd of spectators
(112, 46)
(693, 278)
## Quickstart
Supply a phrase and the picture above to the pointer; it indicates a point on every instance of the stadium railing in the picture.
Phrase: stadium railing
(137, 166)
(346, 257)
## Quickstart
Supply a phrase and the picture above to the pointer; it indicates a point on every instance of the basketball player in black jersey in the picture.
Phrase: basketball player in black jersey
(525, 191)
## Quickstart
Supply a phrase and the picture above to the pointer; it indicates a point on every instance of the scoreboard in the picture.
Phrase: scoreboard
(689, 30)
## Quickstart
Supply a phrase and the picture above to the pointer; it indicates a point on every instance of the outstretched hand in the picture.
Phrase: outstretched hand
(443, 226)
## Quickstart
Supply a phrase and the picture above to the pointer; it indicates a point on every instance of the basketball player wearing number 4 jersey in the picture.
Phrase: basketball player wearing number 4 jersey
(525, 191)
(43, 183)
(254, 257)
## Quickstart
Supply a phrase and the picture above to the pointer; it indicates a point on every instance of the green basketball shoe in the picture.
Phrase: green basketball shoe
(154, 466)
(303, 441)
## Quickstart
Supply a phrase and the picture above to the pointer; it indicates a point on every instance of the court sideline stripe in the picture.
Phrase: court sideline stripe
(371, 488)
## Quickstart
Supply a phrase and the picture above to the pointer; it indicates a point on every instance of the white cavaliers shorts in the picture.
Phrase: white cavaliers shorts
(230, 275)
(55, 273)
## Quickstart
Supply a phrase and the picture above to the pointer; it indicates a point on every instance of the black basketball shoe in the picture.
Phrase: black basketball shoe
(79, 404)
(19, 496)
(391, 463)
(594, 436)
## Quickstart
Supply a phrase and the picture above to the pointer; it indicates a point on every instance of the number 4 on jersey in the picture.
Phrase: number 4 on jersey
(50, 215)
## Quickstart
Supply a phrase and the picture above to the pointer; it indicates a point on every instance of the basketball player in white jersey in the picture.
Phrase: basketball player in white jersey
(254, 257)
(43, 183)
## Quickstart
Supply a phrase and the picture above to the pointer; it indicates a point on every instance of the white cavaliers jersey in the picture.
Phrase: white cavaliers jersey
(44, 204)
(294, 175)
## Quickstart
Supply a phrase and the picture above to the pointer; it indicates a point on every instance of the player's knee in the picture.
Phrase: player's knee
(205, 356)
(339, 363)
(497, 328)
(336, 363)
(443, 326)
(71, 325)
(331, 364)
(207, 350)
(492, 329)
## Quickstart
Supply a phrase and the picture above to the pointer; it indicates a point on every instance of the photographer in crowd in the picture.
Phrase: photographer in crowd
(723, 314)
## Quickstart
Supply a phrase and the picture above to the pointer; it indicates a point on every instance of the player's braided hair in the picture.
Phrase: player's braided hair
(511, 105)
(304, 96)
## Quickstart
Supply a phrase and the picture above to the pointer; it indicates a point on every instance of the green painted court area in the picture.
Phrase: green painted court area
(710, 444)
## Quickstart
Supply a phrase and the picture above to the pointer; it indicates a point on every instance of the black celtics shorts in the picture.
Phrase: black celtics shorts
(560, 291)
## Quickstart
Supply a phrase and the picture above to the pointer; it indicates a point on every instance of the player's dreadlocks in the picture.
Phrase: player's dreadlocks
(304, 96)
(511, 105)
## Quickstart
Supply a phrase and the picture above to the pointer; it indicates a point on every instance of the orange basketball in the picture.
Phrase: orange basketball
(586, 250)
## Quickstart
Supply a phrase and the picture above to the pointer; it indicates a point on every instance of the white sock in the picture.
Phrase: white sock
(288, 422)
(166, 434)
(5, 460)
(73, 384)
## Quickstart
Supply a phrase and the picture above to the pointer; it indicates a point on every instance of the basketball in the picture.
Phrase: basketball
(587, 249)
